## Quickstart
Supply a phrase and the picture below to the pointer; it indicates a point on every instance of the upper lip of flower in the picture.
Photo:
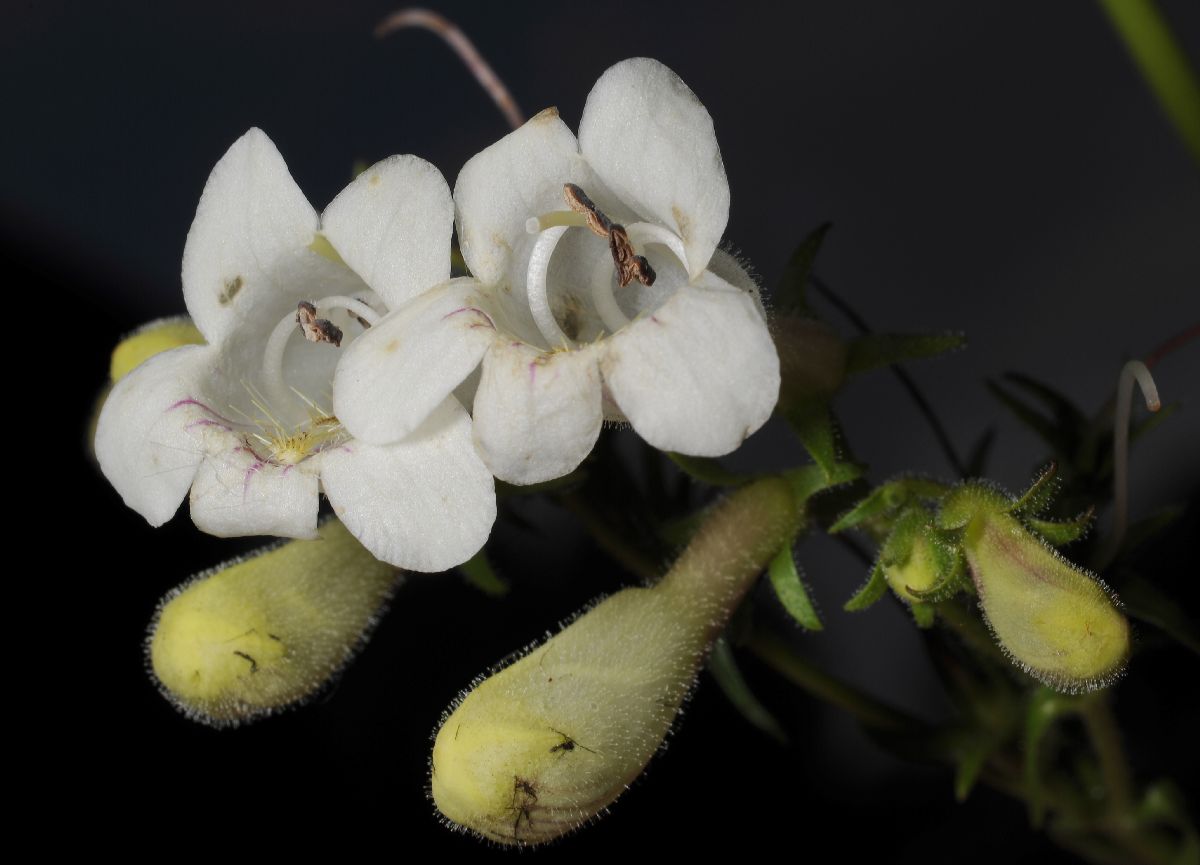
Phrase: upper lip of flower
(696, 371)
(240, 420)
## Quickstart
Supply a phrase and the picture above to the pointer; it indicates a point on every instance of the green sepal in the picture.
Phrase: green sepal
(875, 350)
(792, 294)
(967, 500)
(1045, 706)
(707, 470)
(1062, 533)
(478, 571)
(1041, 492)
(724, 669)
(925, 615)
(814, 423)
(874, 589)
(888, 497)
(789, 587)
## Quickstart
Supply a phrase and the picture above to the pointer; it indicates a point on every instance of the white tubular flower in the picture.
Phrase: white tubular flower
(599, 293)
(278, 292)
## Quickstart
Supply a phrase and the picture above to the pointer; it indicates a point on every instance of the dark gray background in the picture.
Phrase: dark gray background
(997, 168)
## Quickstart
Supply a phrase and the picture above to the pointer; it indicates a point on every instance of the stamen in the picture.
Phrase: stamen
(629, 264)
(317, 329)
(1137, 371)
(578, 201)
(278, 340)
(535, 286)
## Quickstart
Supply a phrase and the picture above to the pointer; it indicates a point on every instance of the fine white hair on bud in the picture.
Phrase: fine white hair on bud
(544, 745)
(258, 634)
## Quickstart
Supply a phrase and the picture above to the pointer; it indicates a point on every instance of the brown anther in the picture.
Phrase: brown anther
(316, 329)
(630, 266)
(578, 201)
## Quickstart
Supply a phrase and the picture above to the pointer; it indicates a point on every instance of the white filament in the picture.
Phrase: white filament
(1133, 371)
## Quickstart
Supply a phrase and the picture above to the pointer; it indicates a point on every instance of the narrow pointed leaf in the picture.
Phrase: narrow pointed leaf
(978, 457)
(792, 295)
(1062, 533)
(875, 350)
(872, 590)
(814, 424)
(881, 500)
(790, 589)
(708, 471)
(972, 757)
(1045, 428)
(1039, 495)
(728, 677)
(1066, 413)
(478, 571)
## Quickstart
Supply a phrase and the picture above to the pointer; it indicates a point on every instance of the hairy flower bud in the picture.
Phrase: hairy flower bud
(258, 634)
(1057, 622)
(544, 745)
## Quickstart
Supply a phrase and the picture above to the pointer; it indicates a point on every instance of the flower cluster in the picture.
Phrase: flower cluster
(337, 349)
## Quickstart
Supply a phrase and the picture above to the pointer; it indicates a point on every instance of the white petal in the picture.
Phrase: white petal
(537, 414)
(250, 218)
(392, 226)
(700, 374)
(518, 177)
(730, 269)
(235, 493)
(152, 431)
(396, 373)
(426, 503)
(652, 142)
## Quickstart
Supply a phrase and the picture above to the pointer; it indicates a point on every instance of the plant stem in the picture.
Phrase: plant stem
(776, 654)
(1102, 729)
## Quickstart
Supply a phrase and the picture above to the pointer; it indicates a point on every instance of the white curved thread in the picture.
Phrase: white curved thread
(603, 299)
(1133, 371)
(643, 234)
(278, 340)
(536, 289)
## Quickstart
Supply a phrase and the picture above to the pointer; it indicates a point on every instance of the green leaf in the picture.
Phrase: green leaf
(872, 590)
(478, 571)
(1046, 429)
(708, 471)
(1062, 533)
(1045, 706)
(814, 424)
(1039, 495)
(789, 588)
(972, 756)
(728, 677)
(881, 500)
(1065, 412)
(807, 481)
(792, 294)
(874, 350)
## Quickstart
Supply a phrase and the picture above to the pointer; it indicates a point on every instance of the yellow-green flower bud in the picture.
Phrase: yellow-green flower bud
(149, 340)
(1057, 622)
(544, 745)
(918, 571)
(255, 635)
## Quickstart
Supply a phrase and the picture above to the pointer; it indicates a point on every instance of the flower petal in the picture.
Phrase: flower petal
(700, 374)
(426, 503)
(393, 376)
(518, 177)
(537, 414)
(235, 493)
(250, 217)
(652, 142)
(392, 226)
(730, 269)
(152, 431)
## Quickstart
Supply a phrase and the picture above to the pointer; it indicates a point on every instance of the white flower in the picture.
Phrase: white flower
(240, 421)
(687, 360)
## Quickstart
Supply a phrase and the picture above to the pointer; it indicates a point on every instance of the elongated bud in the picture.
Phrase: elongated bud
(1057, 622)
(255, 635)
(544, 745)
(149, 340)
